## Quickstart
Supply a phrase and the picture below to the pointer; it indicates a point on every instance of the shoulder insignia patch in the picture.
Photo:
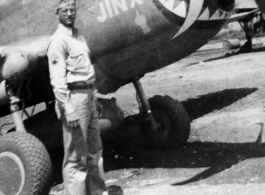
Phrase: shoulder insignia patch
(54, 59)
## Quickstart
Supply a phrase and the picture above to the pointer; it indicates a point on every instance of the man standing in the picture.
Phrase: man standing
(72, 78)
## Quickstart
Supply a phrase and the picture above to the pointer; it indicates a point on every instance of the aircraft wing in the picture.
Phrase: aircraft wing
(243, 14)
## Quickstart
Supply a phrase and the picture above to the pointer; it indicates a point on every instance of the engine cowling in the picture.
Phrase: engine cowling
(16, 65)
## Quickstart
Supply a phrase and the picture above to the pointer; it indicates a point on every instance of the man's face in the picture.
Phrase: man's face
(67, 15)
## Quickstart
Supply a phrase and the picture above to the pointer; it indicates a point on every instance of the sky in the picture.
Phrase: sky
(246, 3)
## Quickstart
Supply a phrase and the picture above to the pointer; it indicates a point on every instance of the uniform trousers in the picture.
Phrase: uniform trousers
(83, 164)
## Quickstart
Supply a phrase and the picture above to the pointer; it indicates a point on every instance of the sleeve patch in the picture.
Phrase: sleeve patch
(54, 59)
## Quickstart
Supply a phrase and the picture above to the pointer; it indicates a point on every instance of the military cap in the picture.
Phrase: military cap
(65, 3)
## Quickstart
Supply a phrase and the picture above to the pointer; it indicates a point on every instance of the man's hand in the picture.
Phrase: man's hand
(72, 120)
(103, 96)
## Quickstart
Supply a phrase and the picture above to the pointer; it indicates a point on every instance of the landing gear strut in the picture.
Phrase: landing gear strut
(166, 122)
(145, 104)
(14, 109)
(25, 165)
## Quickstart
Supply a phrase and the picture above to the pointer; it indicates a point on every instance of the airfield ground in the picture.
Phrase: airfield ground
(224, 95)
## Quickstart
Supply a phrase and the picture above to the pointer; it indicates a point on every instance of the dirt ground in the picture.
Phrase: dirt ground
(224, 95)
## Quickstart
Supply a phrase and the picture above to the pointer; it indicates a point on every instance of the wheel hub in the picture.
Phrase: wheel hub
(164, 126)
(12, 174)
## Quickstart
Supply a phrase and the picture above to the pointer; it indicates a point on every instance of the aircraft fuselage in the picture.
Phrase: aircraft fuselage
(128, 37)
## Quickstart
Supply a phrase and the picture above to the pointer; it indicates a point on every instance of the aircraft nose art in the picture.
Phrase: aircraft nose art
(186, 12)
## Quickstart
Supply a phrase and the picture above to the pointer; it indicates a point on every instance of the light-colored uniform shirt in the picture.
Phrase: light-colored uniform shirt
(69, 62)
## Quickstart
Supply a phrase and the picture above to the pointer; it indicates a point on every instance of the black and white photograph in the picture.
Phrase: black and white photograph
(132, 97)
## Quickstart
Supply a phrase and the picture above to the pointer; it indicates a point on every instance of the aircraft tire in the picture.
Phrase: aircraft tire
(173, 121)
(25, 165)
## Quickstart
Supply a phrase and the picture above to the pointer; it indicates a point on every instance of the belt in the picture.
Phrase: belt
(80, 85)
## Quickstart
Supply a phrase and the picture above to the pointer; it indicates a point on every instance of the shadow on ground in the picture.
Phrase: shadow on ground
(204, 104)
(130, 131)
(131, 152)
(216, 157)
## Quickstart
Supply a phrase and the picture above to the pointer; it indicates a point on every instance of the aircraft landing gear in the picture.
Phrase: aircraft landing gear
(14, 109)
(248, 44)
(166, 122)
(25, 165)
